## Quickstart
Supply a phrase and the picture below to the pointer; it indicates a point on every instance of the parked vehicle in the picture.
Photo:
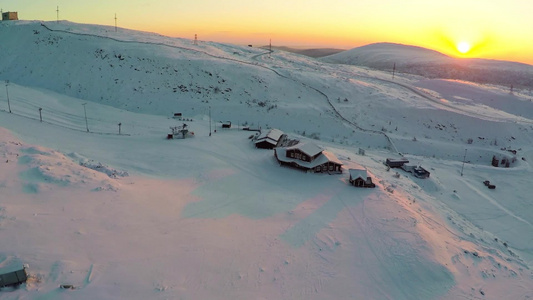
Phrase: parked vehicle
(489, 185)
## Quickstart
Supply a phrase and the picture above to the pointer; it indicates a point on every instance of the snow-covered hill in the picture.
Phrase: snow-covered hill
(433, 64)
(137, 216)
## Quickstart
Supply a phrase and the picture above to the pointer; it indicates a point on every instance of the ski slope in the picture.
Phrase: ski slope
(137, 216)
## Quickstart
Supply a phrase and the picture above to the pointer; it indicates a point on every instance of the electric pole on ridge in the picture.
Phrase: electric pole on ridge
(7, 93)
(464, 158)
(270, 48)
(85, 112)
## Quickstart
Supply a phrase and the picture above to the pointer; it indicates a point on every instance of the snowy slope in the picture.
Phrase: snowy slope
(433, 64)
(137, 216)
(386, 54)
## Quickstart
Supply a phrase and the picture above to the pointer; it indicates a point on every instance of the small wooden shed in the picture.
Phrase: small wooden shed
(10, 15)
(396, 163)
(360, 178)
(13, 278)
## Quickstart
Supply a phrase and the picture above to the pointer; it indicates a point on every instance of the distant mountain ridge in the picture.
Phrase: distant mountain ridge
(433, 64)
(315, 52)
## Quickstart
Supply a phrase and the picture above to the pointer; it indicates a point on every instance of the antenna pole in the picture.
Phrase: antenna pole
(393, 70)
(464, 158)
(57, 11)
(7, 93)
(115, 22)
(85, 112)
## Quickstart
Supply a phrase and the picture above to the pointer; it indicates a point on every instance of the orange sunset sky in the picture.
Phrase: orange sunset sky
(494, 29)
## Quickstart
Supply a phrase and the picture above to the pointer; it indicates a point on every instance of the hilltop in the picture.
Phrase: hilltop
(136, 216)
(432, 64)
(314, 52)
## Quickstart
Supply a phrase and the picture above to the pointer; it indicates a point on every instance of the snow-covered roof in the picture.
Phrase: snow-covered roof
(321, 159)
(272, 136)
(308, 148)
(356, 173)
(331, 157)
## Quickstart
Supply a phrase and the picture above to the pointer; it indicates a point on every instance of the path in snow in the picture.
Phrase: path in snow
(495, 203)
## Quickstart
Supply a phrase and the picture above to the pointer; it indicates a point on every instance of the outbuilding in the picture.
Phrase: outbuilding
(13, 278)
(360, 178)
(417, 171)
(9, 16)
(270, 139)
(396, 163)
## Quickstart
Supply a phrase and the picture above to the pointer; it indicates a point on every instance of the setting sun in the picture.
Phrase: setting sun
(463, 47)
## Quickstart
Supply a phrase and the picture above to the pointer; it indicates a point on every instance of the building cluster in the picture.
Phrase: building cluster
(402, 163)
(308, 157)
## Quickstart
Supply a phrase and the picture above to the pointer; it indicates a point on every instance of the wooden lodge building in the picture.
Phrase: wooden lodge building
(270, 139)
(308, 157)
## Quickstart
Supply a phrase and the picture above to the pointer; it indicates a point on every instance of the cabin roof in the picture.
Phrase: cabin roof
(308, 148)
(321, 159)
(358, 173)
(271, 136)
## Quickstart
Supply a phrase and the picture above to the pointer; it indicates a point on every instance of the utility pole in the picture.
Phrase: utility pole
(57, 11)
(115, 22)
(464, 158)
(119, 124)
(7, 93)
(196, 39)
(85, 112)
(209, 120)
(40, 115)
(393, 70)
(270, 48)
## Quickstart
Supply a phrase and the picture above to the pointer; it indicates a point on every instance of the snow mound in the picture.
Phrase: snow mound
(41, 169)
(99, 167)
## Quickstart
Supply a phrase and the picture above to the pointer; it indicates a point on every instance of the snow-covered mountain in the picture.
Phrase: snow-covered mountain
(136, 216)
(433, 64)
(313, 52)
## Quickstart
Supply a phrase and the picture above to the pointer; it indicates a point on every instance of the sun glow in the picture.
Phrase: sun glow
(463, 47)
